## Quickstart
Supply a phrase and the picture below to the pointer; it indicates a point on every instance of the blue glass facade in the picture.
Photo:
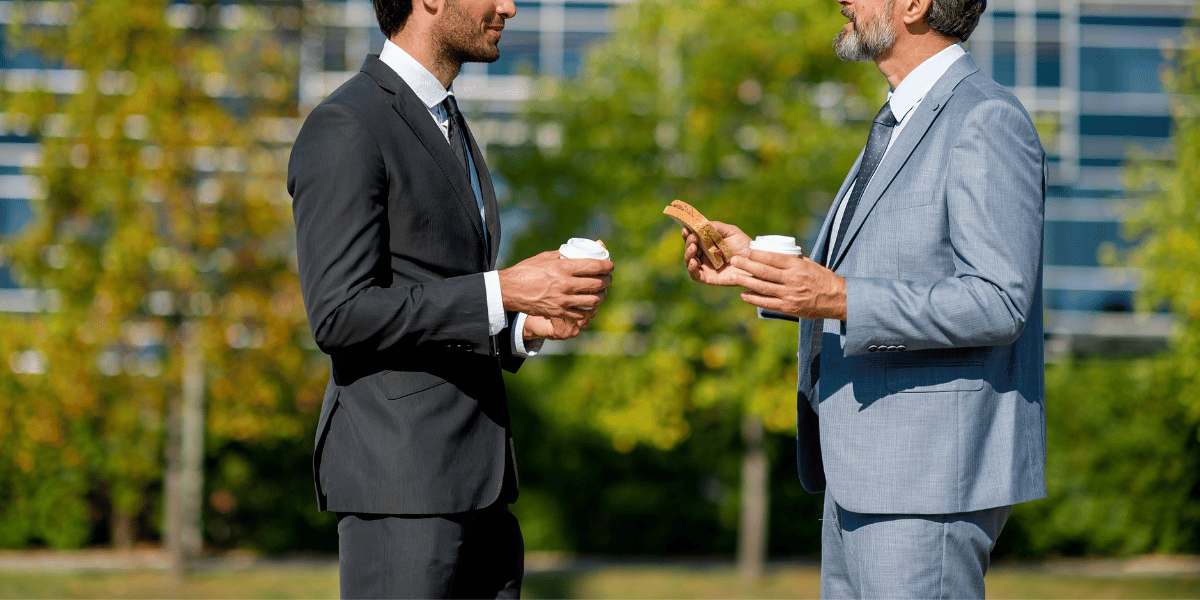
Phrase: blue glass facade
(1091, 76)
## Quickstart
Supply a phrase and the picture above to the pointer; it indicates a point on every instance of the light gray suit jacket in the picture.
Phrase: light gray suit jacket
(930, 397)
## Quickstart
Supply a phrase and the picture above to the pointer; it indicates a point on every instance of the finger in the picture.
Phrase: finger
(588, 285)
(763, 302)
(573, 317)
(580, 304)
(775, 259)
(694, 253)
(760, 286)
(725, 229)
(760, 270)
(588, 266)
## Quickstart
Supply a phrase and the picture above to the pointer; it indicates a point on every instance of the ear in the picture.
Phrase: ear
(913, 11)
(431, 6)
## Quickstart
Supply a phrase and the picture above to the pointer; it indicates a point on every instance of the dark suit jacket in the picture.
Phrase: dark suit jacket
(391, 253)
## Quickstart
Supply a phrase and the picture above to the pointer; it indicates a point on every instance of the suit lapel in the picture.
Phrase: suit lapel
(416, 114)
(491, 209)
(914, 131)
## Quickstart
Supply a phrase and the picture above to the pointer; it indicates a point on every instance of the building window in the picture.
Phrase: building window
(519, 54)
(1123, 125)
(1120, 70)
(575, 48)
(1004, 63)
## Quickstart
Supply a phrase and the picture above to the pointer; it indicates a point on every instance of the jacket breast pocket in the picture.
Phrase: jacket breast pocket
(394, 385)
(905, 200)
(919, 378)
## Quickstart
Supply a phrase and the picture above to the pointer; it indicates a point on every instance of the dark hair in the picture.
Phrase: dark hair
(954, 19)
(392, 14)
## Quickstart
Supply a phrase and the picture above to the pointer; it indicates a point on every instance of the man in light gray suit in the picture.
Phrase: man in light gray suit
(921, 404)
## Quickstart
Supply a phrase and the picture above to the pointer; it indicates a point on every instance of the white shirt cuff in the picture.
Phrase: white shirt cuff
(495, 302)
(519, 346)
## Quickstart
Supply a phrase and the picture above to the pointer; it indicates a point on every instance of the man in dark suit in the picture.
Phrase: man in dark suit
(397, 234)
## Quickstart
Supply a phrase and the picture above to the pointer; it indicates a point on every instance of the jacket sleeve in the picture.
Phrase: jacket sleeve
(340, 190)
(995, 195)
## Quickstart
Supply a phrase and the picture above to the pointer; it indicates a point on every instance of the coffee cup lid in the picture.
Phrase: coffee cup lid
(776, 243)
(583, 248)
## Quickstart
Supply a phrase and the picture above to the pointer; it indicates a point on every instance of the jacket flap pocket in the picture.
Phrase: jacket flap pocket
(398, 384)
(955, 377)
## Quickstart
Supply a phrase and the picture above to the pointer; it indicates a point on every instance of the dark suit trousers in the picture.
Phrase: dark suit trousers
(477, 554)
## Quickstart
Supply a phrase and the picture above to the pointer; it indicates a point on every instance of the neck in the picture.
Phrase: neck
(907, 54)
(428, 54)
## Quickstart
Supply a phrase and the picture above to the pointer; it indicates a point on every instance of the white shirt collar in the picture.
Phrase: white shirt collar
(918, 83)
(427, 87)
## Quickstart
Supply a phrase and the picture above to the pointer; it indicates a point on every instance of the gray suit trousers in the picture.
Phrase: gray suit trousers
(906, 556)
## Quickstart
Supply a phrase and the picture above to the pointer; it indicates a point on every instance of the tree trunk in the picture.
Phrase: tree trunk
(123, 530)
(171, 499)
(752, 533)
(185, 459)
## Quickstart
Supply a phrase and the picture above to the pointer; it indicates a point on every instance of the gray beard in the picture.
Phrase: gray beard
(866, 43)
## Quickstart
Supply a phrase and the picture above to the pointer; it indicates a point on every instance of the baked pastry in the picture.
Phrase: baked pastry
(711, 242)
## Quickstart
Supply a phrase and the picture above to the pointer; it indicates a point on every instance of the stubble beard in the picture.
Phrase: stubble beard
(867, 40)
(462, 41)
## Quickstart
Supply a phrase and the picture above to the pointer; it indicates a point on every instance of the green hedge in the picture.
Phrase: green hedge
(1124, 463)
(1123, 475)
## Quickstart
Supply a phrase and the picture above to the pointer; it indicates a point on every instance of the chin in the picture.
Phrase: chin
(487, 55)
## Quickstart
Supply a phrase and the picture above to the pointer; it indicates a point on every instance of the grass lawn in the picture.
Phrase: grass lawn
(587, 580)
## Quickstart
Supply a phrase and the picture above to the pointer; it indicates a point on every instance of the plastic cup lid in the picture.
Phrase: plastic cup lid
(583, 248)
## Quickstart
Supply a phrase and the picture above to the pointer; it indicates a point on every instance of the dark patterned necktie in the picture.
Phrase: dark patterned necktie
(877, 143)
(457, 143)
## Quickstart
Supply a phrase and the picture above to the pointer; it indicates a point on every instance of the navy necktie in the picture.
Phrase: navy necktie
(877, 143)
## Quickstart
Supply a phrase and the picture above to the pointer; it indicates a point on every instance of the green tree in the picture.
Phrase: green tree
(1124, 434)
(162, 232)
(1167, 222)
(1123, 473)
(740, 109)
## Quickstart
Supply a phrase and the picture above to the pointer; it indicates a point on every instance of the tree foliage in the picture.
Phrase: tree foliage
(1123, 468)
(1124, 434)
(739, 109)
(163, 215)
(1167, 222)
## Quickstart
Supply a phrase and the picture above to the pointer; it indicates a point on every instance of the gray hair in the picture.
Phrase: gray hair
(955, 19)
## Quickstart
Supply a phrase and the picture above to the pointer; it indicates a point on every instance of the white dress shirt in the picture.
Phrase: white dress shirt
(906, 97)
(430, 91)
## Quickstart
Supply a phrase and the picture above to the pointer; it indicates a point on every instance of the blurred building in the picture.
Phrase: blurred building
(1088, 71)
(1090, 74)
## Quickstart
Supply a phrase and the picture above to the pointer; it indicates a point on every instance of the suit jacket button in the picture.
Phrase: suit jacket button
(872, 348)
(892, 348)
(901, 348)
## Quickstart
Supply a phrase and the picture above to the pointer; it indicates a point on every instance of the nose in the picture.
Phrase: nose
(506, 9)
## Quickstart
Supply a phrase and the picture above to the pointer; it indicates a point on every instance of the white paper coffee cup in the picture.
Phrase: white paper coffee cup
(583, 248)
(782, 244)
